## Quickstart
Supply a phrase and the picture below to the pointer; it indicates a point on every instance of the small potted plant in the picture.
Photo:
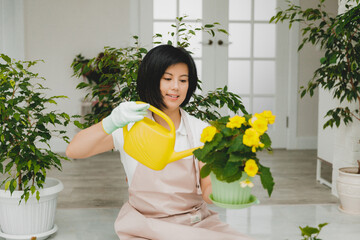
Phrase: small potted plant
(27, 196)
(338, 36)
(229, 154)
(312, 233)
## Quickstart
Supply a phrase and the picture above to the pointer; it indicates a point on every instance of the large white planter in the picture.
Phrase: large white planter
(33, 219)
(348, 187)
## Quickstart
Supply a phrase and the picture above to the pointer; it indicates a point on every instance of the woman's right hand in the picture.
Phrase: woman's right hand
(124, 114)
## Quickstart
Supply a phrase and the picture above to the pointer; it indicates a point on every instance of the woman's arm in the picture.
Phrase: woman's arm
(205, 186)
(97, 138)
(89, 142)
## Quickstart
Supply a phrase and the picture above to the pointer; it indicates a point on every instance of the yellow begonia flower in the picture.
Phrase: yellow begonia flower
(259, 124)
(251, 167)
(208, 134)
(267, 115)
(252, 139)
(246, 183)
(235, 122)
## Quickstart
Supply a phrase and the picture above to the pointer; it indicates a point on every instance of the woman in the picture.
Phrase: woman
(171, 203)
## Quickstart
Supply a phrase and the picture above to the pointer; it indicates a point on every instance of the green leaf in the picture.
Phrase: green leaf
(12, 83)
(227, 132)
(209, 25)
(321, 225)
(205, 170)
(265, 139)
(16, 116)
(32, 189)
(216, 156)
(78, 124)
(266, 178)
(27, 195)
(322, 60)
(7, 184)
(9, 166)
(52, 117)
(236, 157)
(32, 148)
(237, 144)
(82, 85)
(223, 31)
(12, 185)
(38, 195)
(202, 152)
(36, 169)
(230, 169)
(308, 231)
(6, 58)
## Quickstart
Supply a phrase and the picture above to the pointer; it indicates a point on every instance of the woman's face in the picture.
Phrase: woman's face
(174, 85)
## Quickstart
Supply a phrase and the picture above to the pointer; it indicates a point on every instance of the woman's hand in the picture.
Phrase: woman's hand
(124, 114)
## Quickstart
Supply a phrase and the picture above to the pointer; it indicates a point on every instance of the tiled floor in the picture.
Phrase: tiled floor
(100, 181)
(95, 189)
(262, 222)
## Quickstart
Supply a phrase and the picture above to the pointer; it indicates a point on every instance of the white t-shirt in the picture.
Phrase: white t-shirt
(181, 142)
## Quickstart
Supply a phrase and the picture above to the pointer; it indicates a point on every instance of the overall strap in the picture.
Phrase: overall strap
(192, 145)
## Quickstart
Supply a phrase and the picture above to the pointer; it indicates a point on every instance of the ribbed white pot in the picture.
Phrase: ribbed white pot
(33, 219)
(348, 187)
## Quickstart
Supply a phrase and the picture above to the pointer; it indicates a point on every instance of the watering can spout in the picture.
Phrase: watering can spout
(180, 155)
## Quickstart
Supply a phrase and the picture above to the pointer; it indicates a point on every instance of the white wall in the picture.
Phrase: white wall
(56, 31)
(12, 28)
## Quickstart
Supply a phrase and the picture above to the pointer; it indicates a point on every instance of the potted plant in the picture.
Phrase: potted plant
(27, 196)
(92, 74)
(339, 38)
(229, 154)
(124, 64)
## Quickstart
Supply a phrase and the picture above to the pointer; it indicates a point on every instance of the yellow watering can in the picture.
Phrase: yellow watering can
(152, 144)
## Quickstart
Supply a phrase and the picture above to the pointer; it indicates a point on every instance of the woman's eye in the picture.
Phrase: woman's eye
(183, 80)
(167, 79)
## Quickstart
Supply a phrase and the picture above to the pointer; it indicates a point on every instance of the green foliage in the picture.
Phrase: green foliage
(226, 154)
(311, 233)
(111, 77)
(25, 123)
(339, 37)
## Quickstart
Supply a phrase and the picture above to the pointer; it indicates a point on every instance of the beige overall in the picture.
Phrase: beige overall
(168, 205)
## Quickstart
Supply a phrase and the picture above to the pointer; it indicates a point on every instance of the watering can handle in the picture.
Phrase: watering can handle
(158, 112)
(162, 115)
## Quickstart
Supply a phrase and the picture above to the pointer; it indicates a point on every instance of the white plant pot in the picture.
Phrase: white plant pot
(348, 187)
(33, 219)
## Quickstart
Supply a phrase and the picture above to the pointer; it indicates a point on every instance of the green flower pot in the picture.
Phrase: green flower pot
(230, 193)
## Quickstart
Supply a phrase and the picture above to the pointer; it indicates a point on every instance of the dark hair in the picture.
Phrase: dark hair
(153, 67)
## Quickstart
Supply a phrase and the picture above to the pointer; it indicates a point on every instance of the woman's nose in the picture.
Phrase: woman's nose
(175, 84)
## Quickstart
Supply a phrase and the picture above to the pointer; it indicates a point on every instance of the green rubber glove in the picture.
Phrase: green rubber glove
(124, 114)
